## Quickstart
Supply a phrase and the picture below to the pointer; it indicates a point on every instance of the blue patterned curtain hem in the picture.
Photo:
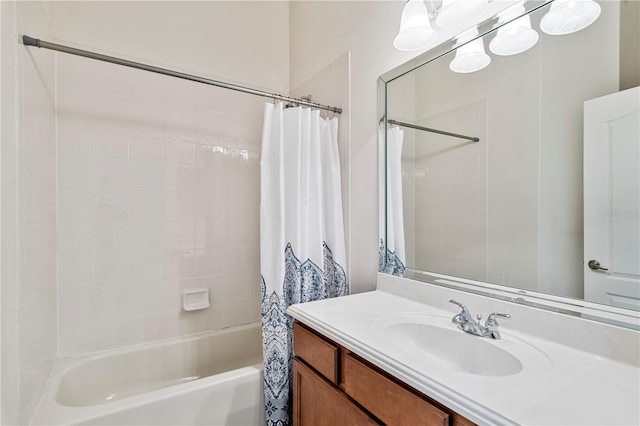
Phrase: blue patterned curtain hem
(389, 262)
(303, 282)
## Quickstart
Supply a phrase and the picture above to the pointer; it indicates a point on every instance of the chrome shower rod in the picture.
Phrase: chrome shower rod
(428, 129)
(30, 41)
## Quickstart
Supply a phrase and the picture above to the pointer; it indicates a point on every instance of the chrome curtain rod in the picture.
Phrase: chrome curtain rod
(428, 129)
(30, 41)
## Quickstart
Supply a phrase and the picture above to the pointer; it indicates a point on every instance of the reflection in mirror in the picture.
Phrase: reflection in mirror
(542, 191)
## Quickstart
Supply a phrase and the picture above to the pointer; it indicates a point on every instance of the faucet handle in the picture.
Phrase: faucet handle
(463, 316)
(460, 305)
(491, 319)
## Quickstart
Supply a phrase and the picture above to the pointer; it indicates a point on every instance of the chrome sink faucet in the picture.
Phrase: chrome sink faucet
(468, 324)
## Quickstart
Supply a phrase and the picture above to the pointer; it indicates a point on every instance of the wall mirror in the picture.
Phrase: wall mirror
(511, 167)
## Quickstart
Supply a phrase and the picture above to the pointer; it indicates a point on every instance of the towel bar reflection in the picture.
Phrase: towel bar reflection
(428, 129)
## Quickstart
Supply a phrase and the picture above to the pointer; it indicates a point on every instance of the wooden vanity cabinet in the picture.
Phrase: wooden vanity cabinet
(333, 386)
(317, 402)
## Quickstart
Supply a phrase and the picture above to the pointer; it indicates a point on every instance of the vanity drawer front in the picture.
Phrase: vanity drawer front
(386, 399)
(317, 402)
(316, 351)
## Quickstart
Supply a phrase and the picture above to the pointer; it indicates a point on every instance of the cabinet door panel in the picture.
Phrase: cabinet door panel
(317, 402)
(388, 400)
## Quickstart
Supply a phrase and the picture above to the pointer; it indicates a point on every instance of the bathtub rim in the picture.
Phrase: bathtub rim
(50, 412)
(66, 363)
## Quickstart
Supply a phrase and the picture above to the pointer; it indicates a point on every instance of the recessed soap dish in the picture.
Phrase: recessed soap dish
(196, 299)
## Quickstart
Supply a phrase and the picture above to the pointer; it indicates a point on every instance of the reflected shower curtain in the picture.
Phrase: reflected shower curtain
(302, 247)
(391, 257)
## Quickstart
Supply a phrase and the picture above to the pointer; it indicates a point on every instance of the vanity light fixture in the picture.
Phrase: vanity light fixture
(416, 32)
(470, 57)
(457, 12)
(415, 28)
(516, 36)
(569, 16)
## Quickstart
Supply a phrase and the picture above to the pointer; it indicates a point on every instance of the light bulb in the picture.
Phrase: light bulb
(415, 29)
(471, 57)
(516, 36)
(569, 16)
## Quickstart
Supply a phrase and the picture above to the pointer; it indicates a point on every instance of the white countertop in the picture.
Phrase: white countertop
(571, 387)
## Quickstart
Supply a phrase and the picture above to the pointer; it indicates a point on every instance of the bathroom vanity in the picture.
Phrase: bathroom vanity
(333, 385)
(394, 356)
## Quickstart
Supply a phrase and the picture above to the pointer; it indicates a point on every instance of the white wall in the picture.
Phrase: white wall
(9, 286)
(246, 42)
(159, 178)
(630, 44)
(28, 211)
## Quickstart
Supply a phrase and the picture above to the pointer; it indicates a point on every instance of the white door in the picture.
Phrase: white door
(612, 199)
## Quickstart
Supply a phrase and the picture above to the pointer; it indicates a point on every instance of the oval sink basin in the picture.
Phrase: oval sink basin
(458, 350)
(428, 340)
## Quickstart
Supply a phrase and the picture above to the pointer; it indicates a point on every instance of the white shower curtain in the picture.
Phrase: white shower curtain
(391, 256)
(302, 247)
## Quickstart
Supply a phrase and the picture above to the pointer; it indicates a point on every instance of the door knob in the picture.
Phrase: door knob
(595, 265)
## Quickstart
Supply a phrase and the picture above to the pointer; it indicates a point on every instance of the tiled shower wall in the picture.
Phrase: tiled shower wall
(158, 192)
(28, 174)
(37, 217)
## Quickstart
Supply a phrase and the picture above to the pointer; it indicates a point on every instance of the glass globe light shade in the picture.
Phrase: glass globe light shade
(471, 57)
(569, 16)
(515, 37)
(415, 29)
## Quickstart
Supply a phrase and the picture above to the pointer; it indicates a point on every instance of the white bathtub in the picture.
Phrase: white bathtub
(210, 379)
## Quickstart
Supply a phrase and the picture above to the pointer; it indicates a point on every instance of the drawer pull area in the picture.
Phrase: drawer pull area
(317, 352)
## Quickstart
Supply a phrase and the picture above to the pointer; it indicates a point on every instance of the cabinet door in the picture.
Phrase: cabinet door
(389, 401)
(317, 402)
